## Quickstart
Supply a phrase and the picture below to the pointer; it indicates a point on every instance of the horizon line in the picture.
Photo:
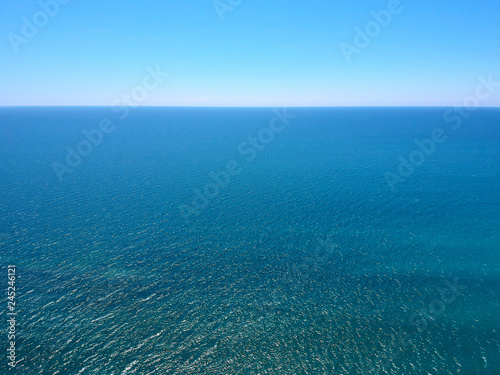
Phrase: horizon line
(246, 106)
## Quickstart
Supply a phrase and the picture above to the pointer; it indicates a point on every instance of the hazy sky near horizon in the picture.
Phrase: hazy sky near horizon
(251, 53)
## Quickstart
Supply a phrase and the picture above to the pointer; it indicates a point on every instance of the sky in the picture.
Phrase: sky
(247, 52)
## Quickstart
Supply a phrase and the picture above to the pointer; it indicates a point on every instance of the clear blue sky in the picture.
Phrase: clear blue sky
(280, 52)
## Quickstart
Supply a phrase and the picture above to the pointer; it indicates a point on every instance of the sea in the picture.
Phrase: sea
(198, 240)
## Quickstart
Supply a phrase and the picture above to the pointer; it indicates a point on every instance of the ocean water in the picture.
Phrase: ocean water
(251, 241)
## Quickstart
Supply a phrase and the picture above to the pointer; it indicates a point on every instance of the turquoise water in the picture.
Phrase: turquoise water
(306, 261)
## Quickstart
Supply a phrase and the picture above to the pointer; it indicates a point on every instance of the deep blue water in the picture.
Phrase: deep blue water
(302, 260)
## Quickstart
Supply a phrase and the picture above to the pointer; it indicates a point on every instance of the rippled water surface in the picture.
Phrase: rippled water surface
(304, 262)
